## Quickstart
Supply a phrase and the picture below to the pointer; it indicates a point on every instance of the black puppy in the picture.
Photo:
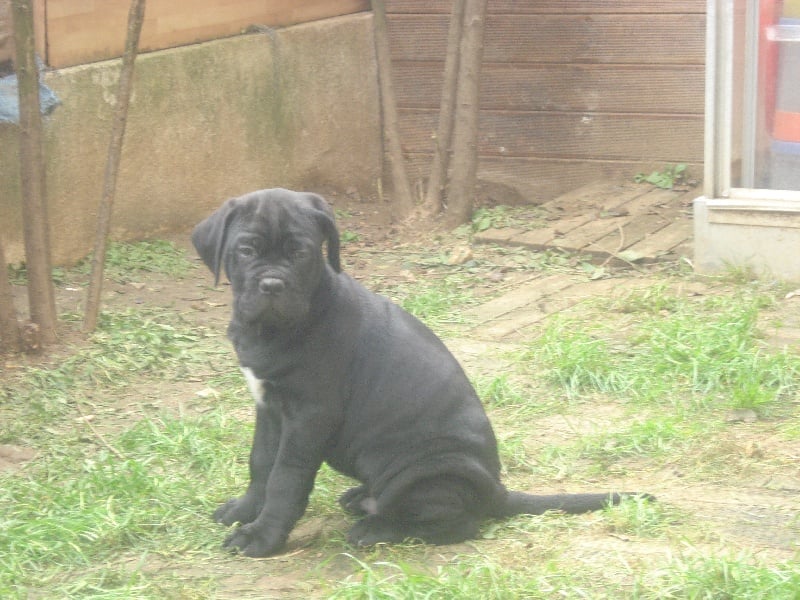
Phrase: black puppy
(342, 375)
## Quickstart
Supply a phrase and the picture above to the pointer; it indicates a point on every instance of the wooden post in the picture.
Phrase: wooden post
(403, 199)
(432, 204)
(461, 193)
(105, 209)
(41, 295)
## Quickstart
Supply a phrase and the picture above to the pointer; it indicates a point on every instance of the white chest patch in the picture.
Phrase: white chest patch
(255, 385)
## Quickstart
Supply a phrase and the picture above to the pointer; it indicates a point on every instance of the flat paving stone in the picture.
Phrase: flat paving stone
(607, 219)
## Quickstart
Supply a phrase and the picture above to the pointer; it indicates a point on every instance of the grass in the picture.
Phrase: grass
(707, 352)
(124, 261)
(691, 578)
(131, 459)
(74, 509)
(155, 256)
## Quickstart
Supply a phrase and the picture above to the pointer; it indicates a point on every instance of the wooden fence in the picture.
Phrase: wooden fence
(571, 90)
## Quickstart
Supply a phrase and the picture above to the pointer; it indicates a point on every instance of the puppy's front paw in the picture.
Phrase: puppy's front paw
(242, 510)
(254, 541)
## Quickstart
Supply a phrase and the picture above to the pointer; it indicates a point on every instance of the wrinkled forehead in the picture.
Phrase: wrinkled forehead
(275, 219)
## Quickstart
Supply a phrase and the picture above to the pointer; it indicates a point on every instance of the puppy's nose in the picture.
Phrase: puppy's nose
(270, 285)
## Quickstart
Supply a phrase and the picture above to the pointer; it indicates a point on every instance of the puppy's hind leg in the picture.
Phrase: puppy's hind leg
(435, 511)
(357, 501)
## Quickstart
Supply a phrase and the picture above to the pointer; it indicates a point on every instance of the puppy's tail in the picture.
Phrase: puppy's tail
(520, 503)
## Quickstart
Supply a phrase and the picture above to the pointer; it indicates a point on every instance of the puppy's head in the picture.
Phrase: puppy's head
(269, 243)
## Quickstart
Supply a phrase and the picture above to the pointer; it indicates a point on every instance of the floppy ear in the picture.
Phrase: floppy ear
(210, 234)
(325, 218)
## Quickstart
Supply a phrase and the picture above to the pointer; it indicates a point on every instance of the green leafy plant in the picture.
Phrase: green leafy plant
(666, 179)
(349, 236)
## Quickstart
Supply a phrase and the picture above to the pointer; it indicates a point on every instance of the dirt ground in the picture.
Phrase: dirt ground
(758, 509)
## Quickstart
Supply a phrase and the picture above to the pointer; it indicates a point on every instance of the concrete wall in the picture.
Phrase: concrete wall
(761, 233)
(295, 107)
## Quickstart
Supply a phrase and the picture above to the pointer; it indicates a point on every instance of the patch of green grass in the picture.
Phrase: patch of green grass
(123, 261)
(701, 578)
(500, 391)
(349, 236)
(71, 508)
(154, 256)
(654, 436)
(707, 351)
(126, 345)
(463, 579)
(514, 456)
(438, 302)
(638, 516)
(653, 300)
(695, 578)
(576, 359)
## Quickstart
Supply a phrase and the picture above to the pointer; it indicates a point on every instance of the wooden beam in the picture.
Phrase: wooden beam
(81, 31)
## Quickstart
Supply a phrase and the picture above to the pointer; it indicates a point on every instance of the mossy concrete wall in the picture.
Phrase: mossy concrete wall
(295, 107)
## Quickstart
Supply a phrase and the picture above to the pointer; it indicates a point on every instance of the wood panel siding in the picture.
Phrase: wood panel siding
(570, 89)
(520, 7)
(80, 31)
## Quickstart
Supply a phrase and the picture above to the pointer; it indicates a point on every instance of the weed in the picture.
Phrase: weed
(666, 179)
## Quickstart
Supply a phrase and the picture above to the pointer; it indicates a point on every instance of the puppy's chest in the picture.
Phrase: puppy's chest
(256, 385)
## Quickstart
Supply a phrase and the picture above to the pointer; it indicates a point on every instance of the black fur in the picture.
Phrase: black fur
(342, 375)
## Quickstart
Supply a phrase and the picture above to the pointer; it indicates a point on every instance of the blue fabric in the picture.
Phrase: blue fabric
(9, 99)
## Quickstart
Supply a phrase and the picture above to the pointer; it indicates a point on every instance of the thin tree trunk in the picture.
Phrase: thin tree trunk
(9, 325)
(461, 192)
(432, 204)
(105, 209)
(41, 295)
(403, 199)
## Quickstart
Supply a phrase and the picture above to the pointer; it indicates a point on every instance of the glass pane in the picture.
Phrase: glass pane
(774, 144)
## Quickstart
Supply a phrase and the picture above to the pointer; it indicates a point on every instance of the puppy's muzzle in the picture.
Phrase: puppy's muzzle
(271, 286)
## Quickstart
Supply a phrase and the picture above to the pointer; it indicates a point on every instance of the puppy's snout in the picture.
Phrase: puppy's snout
(270, 285)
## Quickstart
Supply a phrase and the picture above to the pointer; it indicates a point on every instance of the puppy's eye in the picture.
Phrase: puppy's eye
(293, 249)
(246, 251)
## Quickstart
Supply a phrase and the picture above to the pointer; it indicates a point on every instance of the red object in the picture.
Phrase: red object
(786, 126)
(769, 14)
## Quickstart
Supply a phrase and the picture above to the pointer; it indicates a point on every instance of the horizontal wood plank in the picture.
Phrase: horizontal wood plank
(592, 88)
(539, 180)
(555, 6)
(619, 39)
(570, 135)
(81, 31)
